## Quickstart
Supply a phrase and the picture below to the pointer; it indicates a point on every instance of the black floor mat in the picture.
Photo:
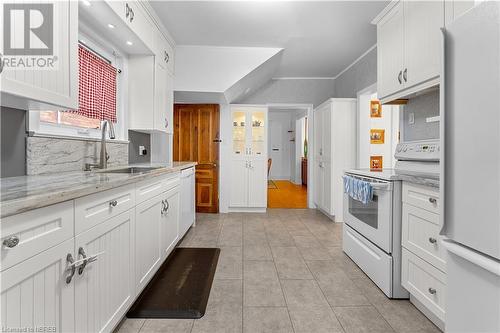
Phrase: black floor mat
(180, 288)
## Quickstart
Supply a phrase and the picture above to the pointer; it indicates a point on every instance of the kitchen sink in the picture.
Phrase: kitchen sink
(130, 170)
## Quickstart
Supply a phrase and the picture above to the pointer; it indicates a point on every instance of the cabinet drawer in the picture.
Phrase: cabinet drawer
(96, 208)
(421, 196)
(421, 235)
(150, 188)
(36, 230)
(425, 282)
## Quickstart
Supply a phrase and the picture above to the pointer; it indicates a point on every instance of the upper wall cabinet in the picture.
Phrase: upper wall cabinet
(408, 47)
(43, 69)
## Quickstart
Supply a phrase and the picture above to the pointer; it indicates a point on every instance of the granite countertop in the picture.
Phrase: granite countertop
(24, 193)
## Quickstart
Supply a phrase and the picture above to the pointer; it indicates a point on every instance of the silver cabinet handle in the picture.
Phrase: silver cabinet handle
(131, 14)
(81, 252)
(113, 203)
(399, 77)
(432, 200)
(11, 242)
(127, 10)
(167, 206)
(162, 207)
(166, 123)
(432, 240)
(71, 268)
(432, 291)
(405, 76)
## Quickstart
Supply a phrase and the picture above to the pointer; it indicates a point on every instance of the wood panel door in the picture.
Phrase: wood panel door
(196, 138)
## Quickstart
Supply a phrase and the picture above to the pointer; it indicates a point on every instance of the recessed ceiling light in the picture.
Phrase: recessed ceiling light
(111, 26)
(129, 42)
(86, 3)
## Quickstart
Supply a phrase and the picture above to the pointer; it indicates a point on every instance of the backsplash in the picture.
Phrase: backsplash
(423, 107)
(50, 155)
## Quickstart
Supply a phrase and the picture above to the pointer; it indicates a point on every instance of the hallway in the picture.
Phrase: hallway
(286, 195)
(284, 271)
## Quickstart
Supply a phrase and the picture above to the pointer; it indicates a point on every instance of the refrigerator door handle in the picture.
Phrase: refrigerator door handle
(442, 112)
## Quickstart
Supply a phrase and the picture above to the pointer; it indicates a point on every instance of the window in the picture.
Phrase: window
(99, 97)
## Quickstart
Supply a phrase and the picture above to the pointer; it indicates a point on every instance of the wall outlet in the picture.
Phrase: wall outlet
(411, 118)
(142, 150)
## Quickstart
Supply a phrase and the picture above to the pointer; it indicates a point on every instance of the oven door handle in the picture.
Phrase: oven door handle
(382, 186)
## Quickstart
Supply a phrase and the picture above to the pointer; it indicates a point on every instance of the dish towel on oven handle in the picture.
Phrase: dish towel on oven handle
(358, 189)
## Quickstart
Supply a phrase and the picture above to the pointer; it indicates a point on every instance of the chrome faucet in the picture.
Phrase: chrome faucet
(103, 160)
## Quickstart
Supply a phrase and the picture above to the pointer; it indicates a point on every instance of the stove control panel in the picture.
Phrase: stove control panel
(425, 150)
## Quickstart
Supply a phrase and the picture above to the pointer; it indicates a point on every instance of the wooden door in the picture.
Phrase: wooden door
(196, 138)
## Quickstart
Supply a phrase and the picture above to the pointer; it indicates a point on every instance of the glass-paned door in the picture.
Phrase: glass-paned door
(239, 133)
(258, 137)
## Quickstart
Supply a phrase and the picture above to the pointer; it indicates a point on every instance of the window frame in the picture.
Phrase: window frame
(118, 60)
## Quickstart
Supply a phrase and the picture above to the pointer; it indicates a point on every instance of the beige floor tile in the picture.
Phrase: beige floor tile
(363, 319)
(374, 295)
(130, 325)
(306, 241)
(230, 265)
(257, 252)
(226, 293)
(231, 235)
(220, 319)
(266, 320)
(314, 253)
(261, 286)
(167, 326)
(303, 293)
(289, 263)
(405, 318)
(317, 319)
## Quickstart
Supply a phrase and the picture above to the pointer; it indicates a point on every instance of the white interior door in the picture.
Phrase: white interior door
(276, 145)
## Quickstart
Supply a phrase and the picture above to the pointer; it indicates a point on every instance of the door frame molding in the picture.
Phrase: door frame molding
(310, 141)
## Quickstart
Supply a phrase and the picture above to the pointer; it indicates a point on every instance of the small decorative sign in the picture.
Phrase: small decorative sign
(375, 109)
(377, 136)
(376, 163)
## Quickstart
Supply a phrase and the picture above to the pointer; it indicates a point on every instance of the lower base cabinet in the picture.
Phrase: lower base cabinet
(148, 242)
(35, 295)
(170, 221)
(105, 288)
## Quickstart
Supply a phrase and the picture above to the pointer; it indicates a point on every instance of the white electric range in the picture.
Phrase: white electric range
(372, 231)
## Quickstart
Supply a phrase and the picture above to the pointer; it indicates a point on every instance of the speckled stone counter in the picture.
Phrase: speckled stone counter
(21, 194)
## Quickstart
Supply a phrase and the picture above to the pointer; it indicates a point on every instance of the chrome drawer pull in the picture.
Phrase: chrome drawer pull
(71, 268)
(432, 200)
(81, 252)
(432, 240)
(113, 203)
(11, 242)
(432, 291)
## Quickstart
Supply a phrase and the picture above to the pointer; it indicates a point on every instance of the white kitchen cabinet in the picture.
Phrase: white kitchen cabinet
(334, 146)
(455, 8)
(105, 288)
(170, 220)
(34, 293)
(187, 215)
(390, 39)
(148, 240)
(36, 88)
(135, 17)
(248, 166)
(408, 47)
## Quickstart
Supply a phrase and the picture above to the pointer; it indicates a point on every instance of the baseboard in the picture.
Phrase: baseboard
(246, 209)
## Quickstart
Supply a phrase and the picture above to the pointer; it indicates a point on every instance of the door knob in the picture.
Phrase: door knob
(11, 242)
(432, 291)
(432, 200)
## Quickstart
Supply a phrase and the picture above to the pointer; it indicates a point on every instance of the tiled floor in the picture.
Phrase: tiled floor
(284, 271)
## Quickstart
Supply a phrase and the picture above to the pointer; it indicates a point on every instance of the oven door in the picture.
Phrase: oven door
(374, 219)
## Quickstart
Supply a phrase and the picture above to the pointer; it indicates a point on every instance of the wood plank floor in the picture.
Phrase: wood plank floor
(287, 195)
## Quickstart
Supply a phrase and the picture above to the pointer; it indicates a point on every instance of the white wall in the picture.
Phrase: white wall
(389, 122)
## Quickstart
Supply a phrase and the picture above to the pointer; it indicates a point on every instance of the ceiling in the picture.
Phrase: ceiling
(319, 38)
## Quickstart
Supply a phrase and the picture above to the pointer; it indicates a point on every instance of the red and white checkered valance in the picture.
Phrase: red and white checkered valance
(97, 87)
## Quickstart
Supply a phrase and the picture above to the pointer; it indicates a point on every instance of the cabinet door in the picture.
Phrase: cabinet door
(34, 293)
(170, 221)
(318, 152)
(140, 24)
(423, 20)
(257, 142)
(238, 183)
(57, 86)
(390, 34)
(239, 134)
(105, 288)
(257, 183)
(160, 96)
(148, 248)
(169, 103)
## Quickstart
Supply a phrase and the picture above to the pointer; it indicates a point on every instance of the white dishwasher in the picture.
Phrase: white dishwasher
(187, 217)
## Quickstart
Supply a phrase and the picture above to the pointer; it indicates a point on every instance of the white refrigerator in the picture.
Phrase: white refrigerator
(470, 125)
